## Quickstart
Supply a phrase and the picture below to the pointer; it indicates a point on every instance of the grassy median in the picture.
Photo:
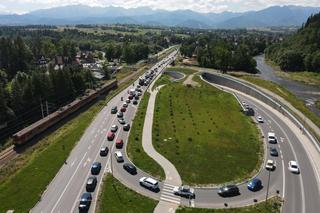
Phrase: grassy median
(115, 197)
(202, 131)
(134, 148)
(272, 206)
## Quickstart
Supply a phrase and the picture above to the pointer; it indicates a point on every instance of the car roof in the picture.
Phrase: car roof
(118, 153)
(293, 163)
(85, 195)
(270, 161)
(151, 180)
(271, 134)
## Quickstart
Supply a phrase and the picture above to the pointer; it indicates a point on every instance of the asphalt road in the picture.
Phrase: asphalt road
(300, 192)
(65, 190)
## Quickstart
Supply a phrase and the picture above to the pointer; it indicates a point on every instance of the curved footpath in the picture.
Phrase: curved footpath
(166, 203)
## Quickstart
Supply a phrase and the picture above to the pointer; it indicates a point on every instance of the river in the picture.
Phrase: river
(308, 94)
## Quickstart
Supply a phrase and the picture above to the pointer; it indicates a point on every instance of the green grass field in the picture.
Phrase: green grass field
(115, 197)
(311, 78)
(288, 96)
(203, 133)
(22, 190)
(134, 148)
(184, 70)
(272, 206)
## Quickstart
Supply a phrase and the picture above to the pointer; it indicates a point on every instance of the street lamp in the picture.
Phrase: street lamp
(268, 186)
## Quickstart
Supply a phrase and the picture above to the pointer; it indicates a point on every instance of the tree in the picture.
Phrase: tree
(291, 61)
(106, 71)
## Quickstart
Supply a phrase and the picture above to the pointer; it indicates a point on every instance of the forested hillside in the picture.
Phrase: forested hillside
(300, 51)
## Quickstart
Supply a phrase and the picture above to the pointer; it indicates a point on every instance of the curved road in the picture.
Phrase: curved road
(301, 193)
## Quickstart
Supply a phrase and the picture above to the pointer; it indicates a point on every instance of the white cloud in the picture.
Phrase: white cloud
(21, 6)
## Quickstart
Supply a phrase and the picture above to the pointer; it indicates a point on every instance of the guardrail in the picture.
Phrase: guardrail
(240, 86)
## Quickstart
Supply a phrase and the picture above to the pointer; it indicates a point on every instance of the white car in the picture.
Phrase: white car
(125, 105)
(272, 137)
(293, 167)
(114, 128)
(149, 183)
(260, 119)
(270, 165)
(119, 156)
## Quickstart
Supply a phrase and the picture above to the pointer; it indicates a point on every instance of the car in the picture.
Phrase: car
(244, 103)
(272, 138)
(104, 151)
(128, 101)
(260, 119)
(95, 168)
(125, 105)
(120, 114)
(139, 93)
(138, 86)
(110, 136)
(91, 184)
(85, 202)
(126, 127)
(114, 128)
(121, 121)
(130, 168)
(123, 109)
(228, 191)
(130, 97)
(255, 184)
(149, 183)
(136, 97)
(135, 102)
(184, 191)
(119, 143)
(270, 165)
(114, 110)
(293, 167)
(274, 152)
(119, 156)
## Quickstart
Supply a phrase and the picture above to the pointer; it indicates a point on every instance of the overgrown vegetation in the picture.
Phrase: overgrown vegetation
(284, 93)
(202, 131)
(272, 206)
(300, 51)
(115, 197)
(134, 148)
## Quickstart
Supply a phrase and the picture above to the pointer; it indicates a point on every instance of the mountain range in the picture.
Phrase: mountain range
(80, 14)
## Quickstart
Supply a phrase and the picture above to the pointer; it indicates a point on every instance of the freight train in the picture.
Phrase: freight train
(40, 126)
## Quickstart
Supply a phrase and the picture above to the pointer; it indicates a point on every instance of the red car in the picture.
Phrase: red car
(119, 143)
(130, 97)
(123, 109)
(110, 136)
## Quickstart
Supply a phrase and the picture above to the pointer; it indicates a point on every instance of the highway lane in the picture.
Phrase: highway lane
(63, 193)
(298, 197)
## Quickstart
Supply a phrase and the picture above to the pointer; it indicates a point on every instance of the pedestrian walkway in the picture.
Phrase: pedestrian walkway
(168, 201)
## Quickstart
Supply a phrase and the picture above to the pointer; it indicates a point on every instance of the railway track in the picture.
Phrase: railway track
(7, 155)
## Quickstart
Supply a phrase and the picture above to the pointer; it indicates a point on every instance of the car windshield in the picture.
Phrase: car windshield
(294, 166)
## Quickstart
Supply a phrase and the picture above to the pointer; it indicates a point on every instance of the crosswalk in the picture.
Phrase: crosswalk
(167, 194)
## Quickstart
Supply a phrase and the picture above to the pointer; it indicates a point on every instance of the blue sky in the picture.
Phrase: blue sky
(22, 6)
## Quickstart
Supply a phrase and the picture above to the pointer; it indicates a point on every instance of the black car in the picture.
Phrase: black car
(136, 97)
(229, 191)
(95, 168)
(85, 202)
(114, 110)
(130, 168)
(274, 152)
(104, 151)
(135, 102)
(91, 184)
(126, 127)
(120, 114)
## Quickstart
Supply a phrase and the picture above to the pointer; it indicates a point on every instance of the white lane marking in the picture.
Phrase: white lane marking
(65, 188)
(170, 201)
(73, 162)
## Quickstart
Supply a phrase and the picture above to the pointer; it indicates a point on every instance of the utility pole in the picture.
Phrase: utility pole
(41, 108)
(47, 108)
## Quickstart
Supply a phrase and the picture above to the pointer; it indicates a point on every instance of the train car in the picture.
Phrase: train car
(40, 126)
